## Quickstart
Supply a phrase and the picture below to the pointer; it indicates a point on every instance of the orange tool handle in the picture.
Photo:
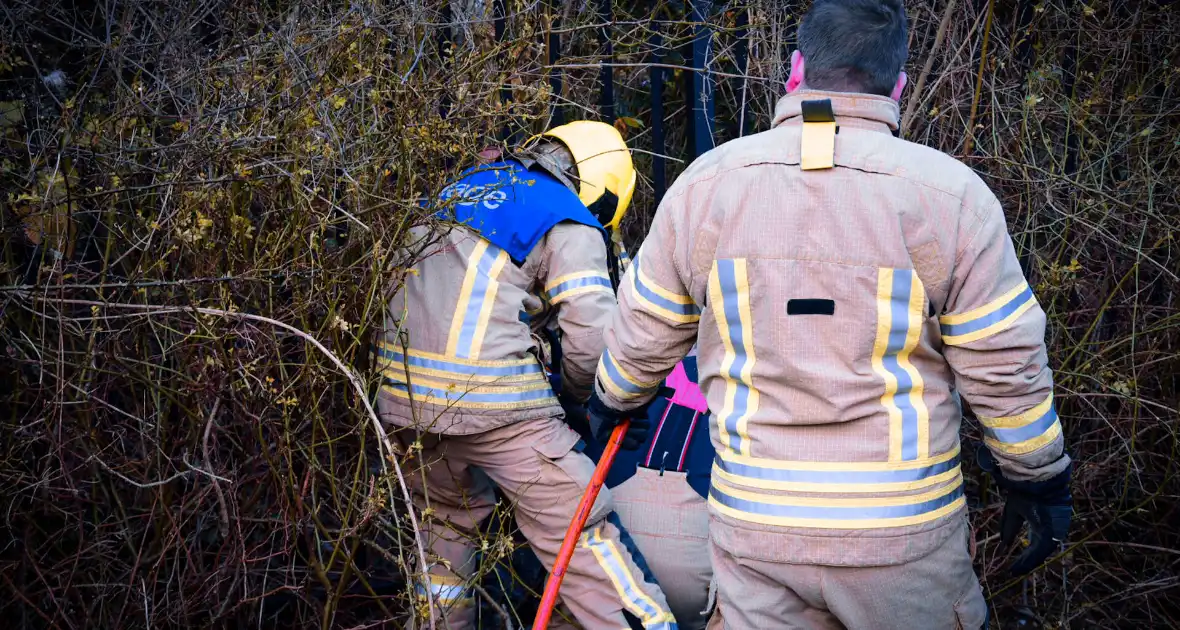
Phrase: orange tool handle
(549, 598)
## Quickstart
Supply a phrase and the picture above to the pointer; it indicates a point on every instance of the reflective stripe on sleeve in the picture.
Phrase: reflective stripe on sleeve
(989, 319)
(1024, 433)
(621, 384)
(573, 284)
(674, 307)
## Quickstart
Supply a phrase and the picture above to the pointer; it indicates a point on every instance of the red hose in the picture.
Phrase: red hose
(549, 598)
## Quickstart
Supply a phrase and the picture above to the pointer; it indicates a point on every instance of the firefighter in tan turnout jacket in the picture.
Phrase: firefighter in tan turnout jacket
(523, 245)
(846, 289)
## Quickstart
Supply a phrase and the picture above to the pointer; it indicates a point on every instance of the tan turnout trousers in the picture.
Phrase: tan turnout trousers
(536, 466)
(669, 522)
(913, 596)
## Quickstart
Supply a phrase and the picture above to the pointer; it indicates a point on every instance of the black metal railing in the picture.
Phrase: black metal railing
(680, 44)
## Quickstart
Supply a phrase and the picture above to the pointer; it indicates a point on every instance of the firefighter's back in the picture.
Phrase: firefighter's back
(820, 345)
(458, 358)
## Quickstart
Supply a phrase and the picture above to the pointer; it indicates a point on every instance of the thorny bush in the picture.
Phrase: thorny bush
(205, 204)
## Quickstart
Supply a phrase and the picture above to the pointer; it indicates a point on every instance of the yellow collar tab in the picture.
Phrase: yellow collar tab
(818, 150)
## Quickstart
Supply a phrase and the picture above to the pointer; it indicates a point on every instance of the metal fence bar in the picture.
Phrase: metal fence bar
(742, 60)
(607, 106)
(556, 114)
(659, 181)
(500, 12)
(702, 84)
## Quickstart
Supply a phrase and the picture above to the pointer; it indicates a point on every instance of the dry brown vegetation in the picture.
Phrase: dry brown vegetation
(204, 207)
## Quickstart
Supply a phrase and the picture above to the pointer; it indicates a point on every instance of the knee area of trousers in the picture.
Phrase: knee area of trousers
(446, 592)
(604, 504)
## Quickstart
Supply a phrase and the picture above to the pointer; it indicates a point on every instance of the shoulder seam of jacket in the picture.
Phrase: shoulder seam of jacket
(981, 221)
(718, 172)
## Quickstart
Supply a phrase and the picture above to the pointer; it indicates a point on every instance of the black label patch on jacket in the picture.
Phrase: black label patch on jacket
(811, 307)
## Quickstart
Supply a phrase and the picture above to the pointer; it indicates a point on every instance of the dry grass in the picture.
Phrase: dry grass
(211, 206)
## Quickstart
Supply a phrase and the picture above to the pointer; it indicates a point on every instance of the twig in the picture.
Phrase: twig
(928, 66)
(153, 484)
(494, 604)
(209, 462)
(987, 32)
(353, 377)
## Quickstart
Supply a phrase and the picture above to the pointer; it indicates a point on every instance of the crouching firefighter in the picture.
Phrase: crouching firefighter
(462, 376)
(660, 493)
(847, 290)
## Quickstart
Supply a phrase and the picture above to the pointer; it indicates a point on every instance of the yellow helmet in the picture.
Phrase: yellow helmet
(605, 172)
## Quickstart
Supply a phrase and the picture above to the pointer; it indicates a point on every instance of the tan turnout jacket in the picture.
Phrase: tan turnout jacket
(840, 315)
(470, 319)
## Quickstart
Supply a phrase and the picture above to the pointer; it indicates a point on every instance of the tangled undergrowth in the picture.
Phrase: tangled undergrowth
(205, 203)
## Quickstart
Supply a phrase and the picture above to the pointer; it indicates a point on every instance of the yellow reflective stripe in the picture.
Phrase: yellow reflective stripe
(747, 374)
(384, 345)
(1027, 446)
(716, 299)
(840, 466)
(989, 319)
(976, 313)
(836, 488)
(730, 290)
(467, 404)
(880, 345)
(574, 276)
(459, 387)
(675, 298)
(447, 590)
(399, 372)
(1024, 419)
(576, 291)
(837, 512)
(621, 253)
(917, 312)
(489, 302)
(602, 562)
(958, 340)
(465, 296)
(901, 303)
(659, 301)
(821, 523)
(629, 591)
(619, 382)
(829, 502)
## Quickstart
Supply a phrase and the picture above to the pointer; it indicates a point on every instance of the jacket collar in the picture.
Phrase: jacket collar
(865, 111)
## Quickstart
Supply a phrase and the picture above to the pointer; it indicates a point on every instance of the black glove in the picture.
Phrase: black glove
(609, 418)
(1047, 507)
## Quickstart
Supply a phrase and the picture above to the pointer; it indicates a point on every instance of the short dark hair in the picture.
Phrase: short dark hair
(854, 45)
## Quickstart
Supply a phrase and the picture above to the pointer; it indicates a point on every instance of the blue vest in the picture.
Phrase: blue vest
(511, 206)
